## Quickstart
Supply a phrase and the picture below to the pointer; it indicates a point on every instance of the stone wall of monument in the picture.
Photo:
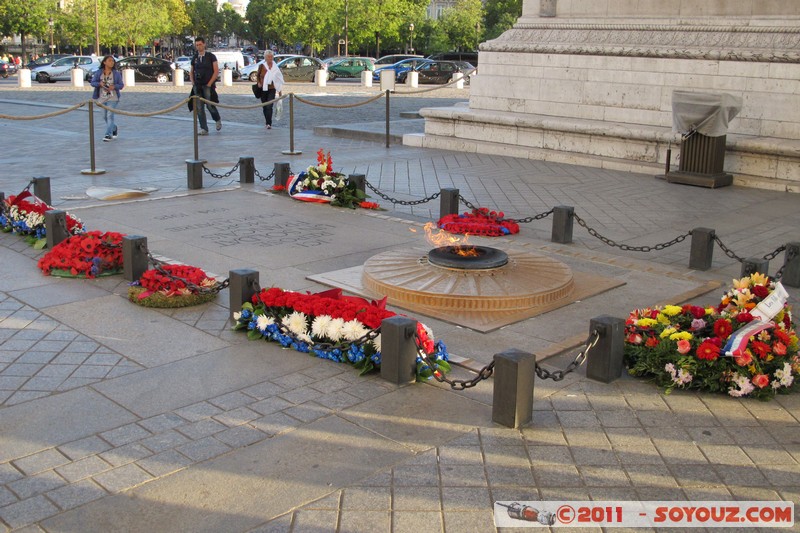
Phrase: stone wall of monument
(643, 9)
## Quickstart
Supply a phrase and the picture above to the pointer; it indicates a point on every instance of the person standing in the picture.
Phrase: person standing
(270, 79)
(204, 72)
(107, 83)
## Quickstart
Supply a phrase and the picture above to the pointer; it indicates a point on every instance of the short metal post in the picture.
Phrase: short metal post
(791, 265)
(751, 265)
(448, 202)
(93, 170)
(359, 180)
(291, 150)
(134, 257)
(562, 224)
(387, 117)
(195, 126)
(398, 350)
(604, 361)
(194, 174)
(512, 400)
(282, 172)
(2, 199)
(702, 250)
(41, 189)
(55, 223)
(243, 284)
(247, 169)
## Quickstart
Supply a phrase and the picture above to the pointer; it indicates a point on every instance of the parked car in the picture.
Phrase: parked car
(61, 69)
(147, 68)
(469, 57)
(300, 68)
(250, 72)
(392, 59)
(184, 62)
(438, 71)
(45, 60)
(7, 69)
(352, 67)
(401, 66)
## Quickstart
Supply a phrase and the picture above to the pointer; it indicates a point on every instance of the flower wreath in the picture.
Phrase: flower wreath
(746, 346)
(480, 222)
(168, 286)
(24, 214)
(321, 184)
(86, 255)
(331, 326)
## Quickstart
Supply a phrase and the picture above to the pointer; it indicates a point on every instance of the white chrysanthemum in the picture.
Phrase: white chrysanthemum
(377, 343)
(305, 337)
(319, 327)
(353, 330)
(296, 322)
(334, 329)
(784, 376)
(262, 321)
(745, 387)
(237, 315)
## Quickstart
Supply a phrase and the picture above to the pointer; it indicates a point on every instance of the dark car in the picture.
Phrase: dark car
(401, 66)
(147, 68)
(438, 71)
(469, 57)
(7, 69)
(300, 68)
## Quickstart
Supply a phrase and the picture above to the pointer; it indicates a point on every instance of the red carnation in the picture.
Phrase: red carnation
(697, 312)
(708, 350)
(744, 317)
(760, 291)
(651, 342)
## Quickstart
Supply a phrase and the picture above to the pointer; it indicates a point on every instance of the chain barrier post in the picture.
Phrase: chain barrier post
(514, 376)
(291, 150)
(398, 350)
(791, 265)
(387, 116)
(281, 171)
(751, 265)
(93, 170)
(605, 361)
(55, 222)
(702, 249)
(242, 287)
(41, 189)
(359, 180)
(247, 169)
(448, 202)
(2, 201)
(134, 257)
(194, 174)
(195, 125)
(562, 224)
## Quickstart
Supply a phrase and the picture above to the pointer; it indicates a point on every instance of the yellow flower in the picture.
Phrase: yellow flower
(662, 319)
(646, 322)
(758, 279)
(742, 298)
(671, 310)
(743, 283)
(681, 336)
(710, 310)
(667, 332)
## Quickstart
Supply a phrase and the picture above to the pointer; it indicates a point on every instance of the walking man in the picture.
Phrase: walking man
(204, 77)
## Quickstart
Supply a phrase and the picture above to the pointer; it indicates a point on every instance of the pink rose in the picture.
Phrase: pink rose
(760, 381)
(684, 346)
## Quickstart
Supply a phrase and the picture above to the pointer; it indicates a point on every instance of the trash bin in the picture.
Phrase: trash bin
(702, 120)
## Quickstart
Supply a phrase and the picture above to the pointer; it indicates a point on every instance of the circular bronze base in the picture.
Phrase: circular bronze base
(481, 258)
(527, 280)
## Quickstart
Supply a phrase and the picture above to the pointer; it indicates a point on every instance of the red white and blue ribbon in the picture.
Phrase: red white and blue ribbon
(737, 342)
(295, 190)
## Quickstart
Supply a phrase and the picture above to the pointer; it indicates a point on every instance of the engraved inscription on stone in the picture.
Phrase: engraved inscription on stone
(264, 231)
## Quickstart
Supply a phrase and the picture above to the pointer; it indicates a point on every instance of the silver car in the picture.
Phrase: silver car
(61, 70)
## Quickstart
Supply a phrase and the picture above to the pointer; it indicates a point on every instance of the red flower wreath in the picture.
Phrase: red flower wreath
(88, 254)
(481, 222)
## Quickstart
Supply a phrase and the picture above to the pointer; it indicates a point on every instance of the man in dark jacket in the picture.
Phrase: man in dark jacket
(204, 76)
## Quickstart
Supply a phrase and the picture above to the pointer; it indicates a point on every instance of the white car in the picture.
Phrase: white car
(184, 62)
(61, 70)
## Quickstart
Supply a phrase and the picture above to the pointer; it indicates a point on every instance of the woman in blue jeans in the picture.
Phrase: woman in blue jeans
(107, 83)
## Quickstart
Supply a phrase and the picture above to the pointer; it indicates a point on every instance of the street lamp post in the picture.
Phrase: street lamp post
(96, 30)
(411, 37)
(52, 46)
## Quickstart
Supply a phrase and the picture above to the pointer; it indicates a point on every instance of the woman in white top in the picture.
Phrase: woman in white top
(270, 79)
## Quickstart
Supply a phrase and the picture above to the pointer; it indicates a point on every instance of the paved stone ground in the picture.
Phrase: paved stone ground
(114, 417)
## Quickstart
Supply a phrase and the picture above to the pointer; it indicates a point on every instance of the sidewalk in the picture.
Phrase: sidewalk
(115, 417)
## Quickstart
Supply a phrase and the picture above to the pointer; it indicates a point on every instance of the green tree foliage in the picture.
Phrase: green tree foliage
(461, 23)
(204, 18)
(75, 25)
(135, 22)
(389, 17)
(233, 23)
(501, 15)
(26, 18)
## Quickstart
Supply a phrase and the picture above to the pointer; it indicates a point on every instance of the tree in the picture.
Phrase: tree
(461, 23)
(136, 22)
(204, 18)
(501, 15)
(233, 24)
(25, 18)
(75, 24)
(386, 20)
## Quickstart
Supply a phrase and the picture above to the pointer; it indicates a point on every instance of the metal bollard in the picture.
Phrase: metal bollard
(702, 250)
(512, 400)
(359, 180)
(134, 257)
(791, 265)
(562, 224)
(751, 265)
(604, 361)
(398, 350)
(2, 198)
(41, 189)
(194, 174)
(243, 283)
(281, 173)
(247, 169)
(55, 222)
(448, 202)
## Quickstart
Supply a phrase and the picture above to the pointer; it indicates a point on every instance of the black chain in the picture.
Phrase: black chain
(402, 202)
(772, 255)
(456, 384)
(730, 253)
(262, 178)
(219, 176)
(467, 203)
(627, 248)
(526, 220)
(220, 286)
(558, 375)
